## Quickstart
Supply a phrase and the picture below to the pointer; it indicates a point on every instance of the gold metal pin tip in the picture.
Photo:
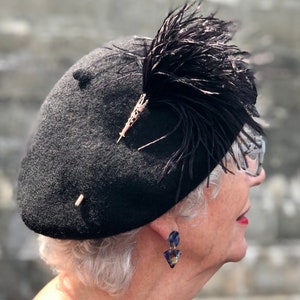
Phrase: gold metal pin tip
(137, 110)
(79, 200)
(121, 136)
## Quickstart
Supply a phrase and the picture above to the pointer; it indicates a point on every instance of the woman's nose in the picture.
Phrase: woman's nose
(257, 180)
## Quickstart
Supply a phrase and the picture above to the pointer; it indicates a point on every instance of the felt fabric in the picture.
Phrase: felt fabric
(74, 151)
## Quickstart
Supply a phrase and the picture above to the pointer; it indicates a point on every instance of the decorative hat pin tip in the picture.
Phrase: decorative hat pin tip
(79, 200)
(137, 110)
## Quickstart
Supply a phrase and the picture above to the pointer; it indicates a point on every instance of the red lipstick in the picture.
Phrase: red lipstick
(242, 220)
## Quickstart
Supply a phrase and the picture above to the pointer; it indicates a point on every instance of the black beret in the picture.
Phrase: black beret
(77, 182)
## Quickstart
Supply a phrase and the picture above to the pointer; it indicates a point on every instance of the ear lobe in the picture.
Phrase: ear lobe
(163, 225)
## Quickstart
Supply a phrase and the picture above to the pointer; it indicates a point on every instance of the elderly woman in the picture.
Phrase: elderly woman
(137, 175)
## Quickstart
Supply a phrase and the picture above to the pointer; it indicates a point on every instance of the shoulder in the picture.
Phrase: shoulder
(51, 292)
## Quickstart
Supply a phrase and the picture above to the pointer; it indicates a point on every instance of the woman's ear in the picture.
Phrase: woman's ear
(164, 225)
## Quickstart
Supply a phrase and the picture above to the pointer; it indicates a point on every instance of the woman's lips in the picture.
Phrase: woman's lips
(242, 219)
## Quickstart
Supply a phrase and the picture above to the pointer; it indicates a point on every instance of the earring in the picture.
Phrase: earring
(173, 254)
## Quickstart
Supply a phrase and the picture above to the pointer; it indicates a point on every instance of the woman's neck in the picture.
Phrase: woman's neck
(149, 282)
(152, 278)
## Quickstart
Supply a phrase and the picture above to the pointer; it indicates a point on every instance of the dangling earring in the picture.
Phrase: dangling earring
(173, 254)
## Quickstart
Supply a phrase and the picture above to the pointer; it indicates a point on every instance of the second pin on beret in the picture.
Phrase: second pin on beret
(196, 94)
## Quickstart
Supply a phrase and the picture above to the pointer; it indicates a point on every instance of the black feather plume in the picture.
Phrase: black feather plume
(191, 68)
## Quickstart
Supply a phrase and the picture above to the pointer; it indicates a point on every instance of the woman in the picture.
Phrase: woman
(138, 173)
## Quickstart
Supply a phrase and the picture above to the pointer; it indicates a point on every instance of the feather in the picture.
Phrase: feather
(191, 68)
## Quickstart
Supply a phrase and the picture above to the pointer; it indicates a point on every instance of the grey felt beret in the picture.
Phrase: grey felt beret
(77, 182)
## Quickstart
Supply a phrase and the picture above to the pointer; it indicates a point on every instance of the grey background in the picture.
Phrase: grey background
(39, 40)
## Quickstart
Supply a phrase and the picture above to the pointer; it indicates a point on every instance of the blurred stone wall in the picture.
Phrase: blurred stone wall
(39, 40)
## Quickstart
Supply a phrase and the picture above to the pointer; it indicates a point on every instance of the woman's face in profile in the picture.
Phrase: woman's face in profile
(219, 236)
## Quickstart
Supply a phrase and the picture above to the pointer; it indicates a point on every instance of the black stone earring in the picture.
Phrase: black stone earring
(173, 254)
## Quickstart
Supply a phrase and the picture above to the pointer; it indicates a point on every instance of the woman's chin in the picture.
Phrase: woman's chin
(238, 252)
